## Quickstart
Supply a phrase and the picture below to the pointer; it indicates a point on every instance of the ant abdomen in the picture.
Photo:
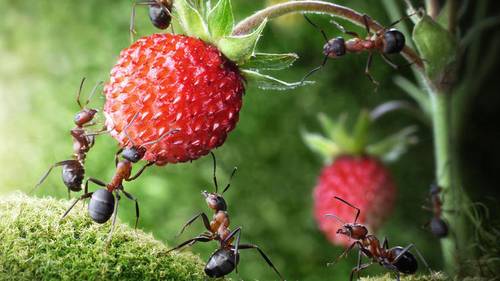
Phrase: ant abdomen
(72, 175)
(394, 41)
(101, 205)
(221, 263)
(407, 263)
(438, 227)
(159, 16)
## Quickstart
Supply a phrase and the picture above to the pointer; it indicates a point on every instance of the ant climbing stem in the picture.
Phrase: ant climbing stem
(226, 258)
(160, 14)
(73, 170)
(385, 41)
(397, 259)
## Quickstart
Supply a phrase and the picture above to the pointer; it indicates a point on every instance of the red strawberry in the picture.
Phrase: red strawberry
(362, 181)
(174, 82)
(354, 173)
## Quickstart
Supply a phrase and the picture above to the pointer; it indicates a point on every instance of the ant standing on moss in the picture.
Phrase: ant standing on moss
(73, 171)
(226, 258)
(159, 14)
(397, 259)
(385, 41)
(103, 204)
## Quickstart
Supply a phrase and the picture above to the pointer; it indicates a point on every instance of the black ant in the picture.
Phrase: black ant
(159, 14)
(73, 171)
(437, 225)
(385, 41)
(102, 203)
(397, 259)
(226, 258)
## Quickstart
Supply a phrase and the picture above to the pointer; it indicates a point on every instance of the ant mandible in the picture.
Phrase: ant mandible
(159, 14)
(385, 41)
(397, 259)
(437, 225)
(103, 204)
(226, 258)
(73, 171)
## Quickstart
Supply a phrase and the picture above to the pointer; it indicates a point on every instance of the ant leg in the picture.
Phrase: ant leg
(42, 179)
(366, 20)
(343, 30)
(367, 70)
(385, 244)
(140, 171)
(84, 196)
(115, 212)
(117, 155)
(230, 178)
(346, 251)
(358, 268)
(190, 242)
(79, 93)
(131, 197)
(206, 222)
(251, 246)
(236, 232)
(418, 254)
(393, 65)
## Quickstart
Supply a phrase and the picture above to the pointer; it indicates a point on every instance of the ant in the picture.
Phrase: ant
(226, 258)
(385, 41)
(103, 204)
(437, 225)
(397, 259)
(73, 171)
(159, 14)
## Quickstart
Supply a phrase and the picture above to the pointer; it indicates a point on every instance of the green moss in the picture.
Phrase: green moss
(34, 245)
(436, 276)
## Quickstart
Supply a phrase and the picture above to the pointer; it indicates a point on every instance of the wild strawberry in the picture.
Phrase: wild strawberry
(354, 173)
(193, 84)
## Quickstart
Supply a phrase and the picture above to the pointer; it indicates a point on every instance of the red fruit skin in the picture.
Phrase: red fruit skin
(174, 82)
(362, 181)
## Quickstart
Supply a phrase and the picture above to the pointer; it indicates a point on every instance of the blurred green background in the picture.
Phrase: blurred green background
(47, 46)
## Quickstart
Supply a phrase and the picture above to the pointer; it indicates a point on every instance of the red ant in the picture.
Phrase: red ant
(437, 225)
(73, 171)
(226, 258)
(397, 259)
(159, 14)
(385, 41)
(102, 203)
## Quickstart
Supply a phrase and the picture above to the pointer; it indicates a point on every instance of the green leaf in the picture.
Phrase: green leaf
(267, 82)
(221, 20)
(270, 61)
(393, 146)
(191, 20)
(436, 45)
(240, 48)
(321, 145)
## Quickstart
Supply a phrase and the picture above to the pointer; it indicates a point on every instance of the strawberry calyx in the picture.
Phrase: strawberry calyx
(214, 25)
(339, 140)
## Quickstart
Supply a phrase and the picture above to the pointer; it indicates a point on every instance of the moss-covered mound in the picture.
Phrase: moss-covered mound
(34, 245)
(436, 276)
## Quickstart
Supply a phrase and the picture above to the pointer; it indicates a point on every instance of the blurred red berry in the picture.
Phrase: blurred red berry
(173, 82)
(361, 180)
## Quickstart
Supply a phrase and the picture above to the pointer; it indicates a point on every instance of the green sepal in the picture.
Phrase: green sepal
(267, 82)
(360, 132)
(270, 61)
(337, 132)
(240, 48)
(191, 21)
(221, 20)
(393, 146)
(436, 46)
(321, 145)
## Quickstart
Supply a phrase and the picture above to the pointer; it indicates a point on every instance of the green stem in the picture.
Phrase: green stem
(320, 7)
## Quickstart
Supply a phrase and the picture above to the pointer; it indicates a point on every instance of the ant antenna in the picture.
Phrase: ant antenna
(326, 56)
(350, 205)
(230, 178)
(317, 27)
(215, 169)
(94, 90)
(79, 92)
(173, 131)
(128, 126)
(335, 217)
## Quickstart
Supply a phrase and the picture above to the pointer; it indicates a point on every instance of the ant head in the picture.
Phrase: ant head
(134, 154)
(215, 201)
(394, 41)
(85, 116)
(334, 47)
(353, 230)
